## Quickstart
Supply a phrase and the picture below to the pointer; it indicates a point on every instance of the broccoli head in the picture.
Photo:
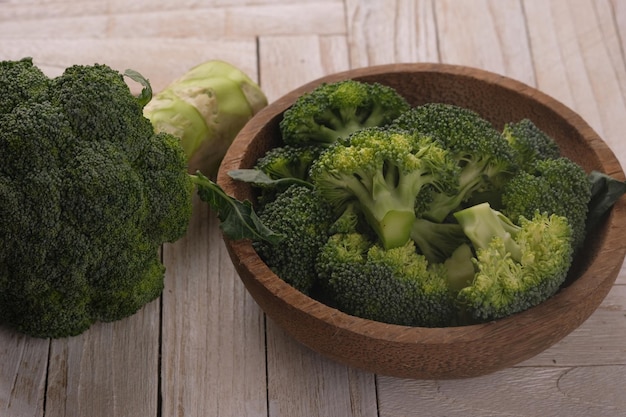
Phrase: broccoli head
(20, 81)
(529, 143)
(334, 110)
(518, 265)
(382, 171)
(483, 156)
(554, 186)
(388, 285)
(303, 219)
(289, 161)
(88, 194)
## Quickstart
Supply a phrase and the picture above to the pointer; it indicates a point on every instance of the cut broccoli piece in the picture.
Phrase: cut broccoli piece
(529, 143)
(483, 156)
(554, 186)
(437, 241)
(518, 265)
(289, 161)
(391, 286)
(382, 171)
(303, 219)
(334, 110)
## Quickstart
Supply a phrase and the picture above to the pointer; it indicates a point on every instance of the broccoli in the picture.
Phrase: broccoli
(303, 219)
(555, 186)
(518, 265)
(483, 156)
(394, 286)
(21, 81)
(205, 108)
(334, 110)
(88, 193)
(289, 161)
(437, 241)
(382, 170)
(529, 143)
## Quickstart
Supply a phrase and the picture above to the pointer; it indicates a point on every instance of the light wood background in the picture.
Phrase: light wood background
(204, 348)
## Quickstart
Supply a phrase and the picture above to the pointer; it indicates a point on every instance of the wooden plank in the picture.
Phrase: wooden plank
(301, 382)
(406, 27)
(598, 341)
(494, 39)
(207, 23)
(160, 60)
(585, 74)
(23, 366)
(109, 370)
(298, 60)
(532, 392)
(213, 352)
(24, 9)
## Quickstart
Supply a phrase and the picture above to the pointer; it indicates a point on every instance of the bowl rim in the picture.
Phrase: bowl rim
(608, 259)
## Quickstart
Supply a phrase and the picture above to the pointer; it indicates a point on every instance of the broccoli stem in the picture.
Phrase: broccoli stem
(482, 224)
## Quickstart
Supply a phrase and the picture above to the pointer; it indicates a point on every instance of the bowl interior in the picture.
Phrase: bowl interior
(444, 352)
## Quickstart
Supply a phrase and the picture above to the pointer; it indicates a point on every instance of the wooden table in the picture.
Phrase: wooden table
(204, 348)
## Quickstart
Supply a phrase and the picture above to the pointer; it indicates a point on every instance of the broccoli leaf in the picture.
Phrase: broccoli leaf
(238, 218)
(258, 177)
(605, 191)
(146, 92)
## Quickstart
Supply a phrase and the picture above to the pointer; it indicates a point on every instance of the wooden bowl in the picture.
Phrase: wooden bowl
(453, 352)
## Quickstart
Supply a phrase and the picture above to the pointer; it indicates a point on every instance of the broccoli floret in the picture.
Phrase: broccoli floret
(388, 285)
(518, 265)
(437, 241)
(334, 110)
(479, 150)
(303, 219)
(88, 194)
(554, 186)
(529, 143)
(289, 161)
(382, 171)
(97, 103)
(20, 81)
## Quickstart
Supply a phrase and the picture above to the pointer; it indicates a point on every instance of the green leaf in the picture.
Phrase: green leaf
(605, 191)
(260, 178)
(146, 92)
(238, 220)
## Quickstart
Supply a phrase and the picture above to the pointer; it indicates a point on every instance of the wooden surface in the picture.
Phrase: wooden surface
(204, 348)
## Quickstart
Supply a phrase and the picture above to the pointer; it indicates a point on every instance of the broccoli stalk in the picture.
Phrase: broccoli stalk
(206, 107)
(437, 241)
(382, 171)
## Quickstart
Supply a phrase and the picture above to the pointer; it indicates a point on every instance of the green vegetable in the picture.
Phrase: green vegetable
(518, 266)
(334, 110)
(483, 156)
(435, 219)
(206, 108)
(437, 241)
(88, 193)
(383, 170)
(303, 219)
(289, 161)
(238, 220)
(389, 285)
(555, 186)
(529, 143)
